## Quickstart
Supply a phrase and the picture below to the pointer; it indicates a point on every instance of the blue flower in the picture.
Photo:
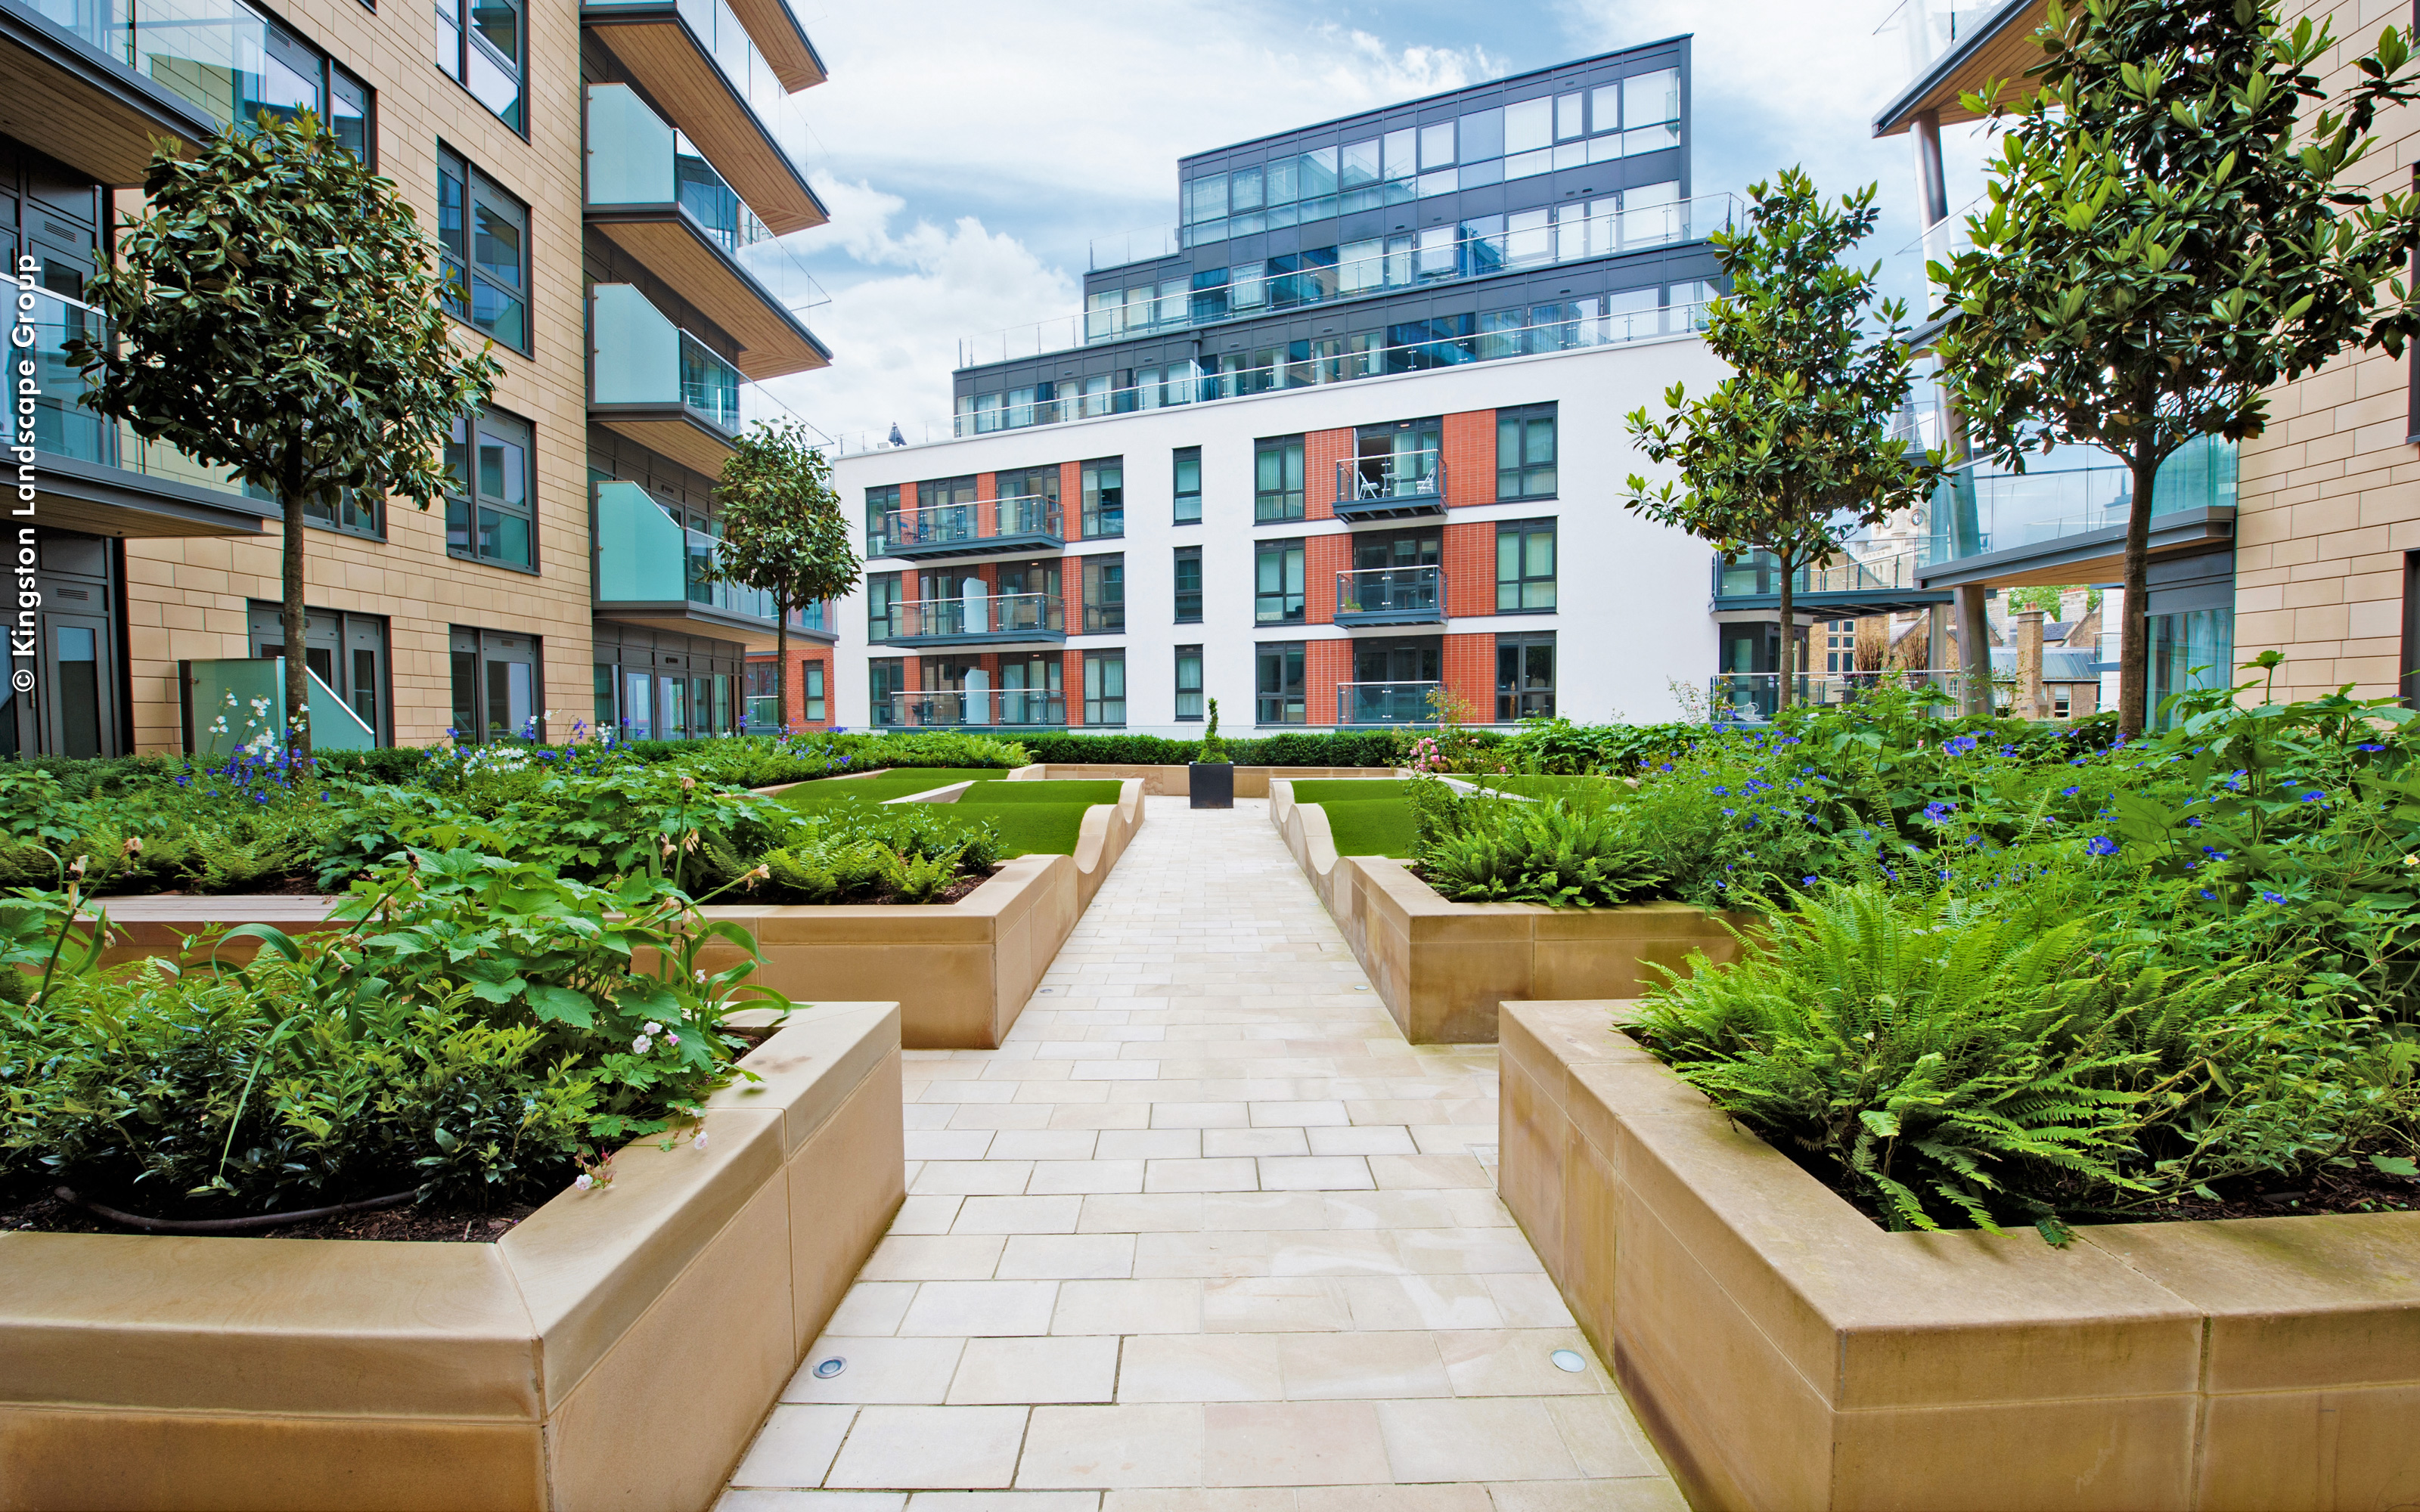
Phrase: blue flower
(1729, 813)
(1807, 880)
(2273, 897)
(2315, 797)
(1939, 812)
(2369, 747)
(2068, 793)
(2194, 823)
(1959, 745)
(2209, 896)
(2100, 845)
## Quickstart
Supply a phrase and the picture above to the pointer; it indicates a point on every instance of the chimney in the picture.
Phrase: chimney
(2073, 604)
(2030, 703)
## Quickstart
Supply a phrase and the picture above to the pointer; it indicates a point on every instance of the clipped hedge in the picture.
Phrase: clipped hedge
(1339, 747)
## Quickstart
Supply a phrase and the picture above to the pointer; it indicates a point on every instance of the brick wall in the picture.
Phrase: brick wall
(1071, 591)
(795, 677)
(987, 489)
(1322, 450)
(1470, 673)
(1073, 673)
(1324, 664)
(1470, 457)
(1469, 570)
(1323, 558)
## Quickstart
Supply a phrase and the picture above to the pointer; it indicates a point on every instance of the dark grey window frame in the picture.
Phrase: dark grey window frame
(1193, 654)
(1523, 467)
(459, 266)
(1294, 692)
(1524, 529)
(1188, 598)
(1177, 460)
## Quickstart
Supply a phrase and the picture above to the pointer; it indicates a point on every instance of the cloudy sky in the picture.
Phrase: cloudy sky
(973, 153)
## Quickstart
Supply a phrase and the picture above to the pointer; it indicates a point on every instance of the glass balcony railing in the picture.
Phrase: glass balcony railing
(1391, 596)
(724, 39)
(944, 529)
(950, 708)
(219, 55)
(1385, 703)
(2068, 492)
(1757, 696)
(644, 359)
(64, 425)
(1393, 478)
(1926, 29)
(1758, 574)
(972, 616)
(646, 556)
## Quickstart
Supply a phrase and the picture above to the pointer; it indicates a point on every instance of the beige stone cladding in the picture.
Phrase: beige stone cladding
(188, 599)
(2330, 494)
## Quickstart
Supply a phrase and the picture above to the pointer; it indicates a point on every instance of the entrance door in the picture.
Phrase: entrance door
(79, 720)
(1032, 690)
(347, 652)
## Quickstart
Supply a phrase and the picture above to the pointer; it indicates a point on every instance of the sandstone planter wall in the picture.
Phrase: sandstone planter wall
(961, 972)
(1784, 1352)
(1177, 782)
(616, 1349)
(1441, 968)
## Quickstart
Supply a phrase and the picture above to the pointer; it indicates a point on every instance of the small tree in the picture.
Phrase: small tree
(276, 312)
(2161, 245)
(1794, 451)
(782, 532)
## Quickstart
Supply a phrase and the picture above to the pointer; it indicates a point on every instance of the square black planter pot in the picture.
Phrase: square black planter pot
(1212, 784)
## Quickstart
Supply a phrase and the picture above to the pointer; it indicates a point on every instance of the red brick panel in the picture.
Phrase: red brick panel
(1469, 570)
(1470, 457)
(1071, 591)
(1470, 674)
(796, 677)
(1324, 664)
(1074, 674)
(1322, 450)
(1323, 558)
(987, 489)
(1071, 504)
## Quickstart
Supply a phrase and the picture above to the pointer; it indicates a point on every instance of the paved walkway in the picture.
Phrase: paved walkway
(1205, 1236)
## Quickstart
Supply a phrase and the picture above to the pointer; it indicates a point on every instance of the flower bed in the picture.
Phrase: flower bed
(619, 1347)
(1784, 1350)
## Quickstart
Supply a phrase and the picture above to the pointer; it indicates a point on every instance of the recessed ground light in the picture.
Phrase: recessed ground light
(1564, 1360)
(1360, 988)
(826, 1370)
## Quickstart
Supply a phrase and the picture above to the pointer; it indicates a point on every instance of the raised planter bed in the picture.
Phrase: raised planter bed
(961, 972)
(617, 1348)
(1175, 781)
(1785, 1352)
(1441, 966)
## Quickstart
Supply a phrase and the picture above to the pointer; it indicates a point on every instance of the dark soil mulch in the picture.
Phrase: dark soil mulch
(46, 1214)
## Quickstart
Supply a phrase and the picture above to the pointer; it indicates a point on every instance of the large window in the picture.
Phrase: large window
(1188, 681)
(1277, 583)
(1525, 566)
(1105, 497)
(762, 711)
(490, 509)
(487, 56)
(1188, 585)
(1525, 676)
(1105, 593)
(496, 684)
(1104, 688)
(882, 596)
(1189, 485)
(886, 677)
(1276, 479)
(811, 679)
(880, 504)
(1839, 645)
(483, 233)
(1279, 682)
(1525, 453)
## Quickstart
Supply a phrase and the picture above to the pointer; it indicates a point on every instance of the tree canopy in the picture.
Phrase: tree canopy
(782, 532)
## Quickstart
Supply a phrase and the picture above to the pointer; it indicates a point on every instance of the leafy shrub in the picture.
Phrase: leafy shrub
(1564, 852)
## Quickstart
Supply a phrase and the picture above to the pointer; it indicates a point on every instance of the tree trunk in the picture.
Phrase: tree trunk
(2134, 631)
(781, 664)
(296, 697)
(1789, 635)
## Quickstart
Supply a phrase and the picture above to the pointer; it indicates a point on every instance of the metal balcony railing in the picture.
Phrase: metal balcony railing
(1757, 573)
(1385, 703)
(1757, 695)
(1391, 596)
(1019, 523)
(957, 708)
(973, 617)
(1390, 486)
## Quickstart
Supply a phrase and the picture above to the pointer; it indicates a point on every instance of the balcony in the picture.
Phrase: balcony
(1015, 526)
(92, 82)
(1885, 583)
(656, 196)
(1391, 596)
(1953, 49)
(1008, 708)
(734, 104)
(1399, 486)
(2063, 520)
(96, 475)
(1757, 696)
(1381, 703)
(974, 618)
(650, 571)
(659, 385)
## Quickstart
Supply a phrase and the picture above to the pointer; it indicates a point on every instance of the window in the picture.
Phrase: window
(489, 512)
(347, 652)
(1188, 585)
(1029, 501)
(1188, 681)
(1104, 688)
(880, 505)
(885, 678)
(486, 55)
(1839, 645)
(764, 687)
(355, 512)
(1277, 583)
(1279, 682)
(1525, 453)
(1525, 677)
(1105, 594)
(483, 237)
(812, 677)
(1105, 497)
(1525, 566)
(882, 596)
(496, 684)
(1276, 479)
(1189, 485)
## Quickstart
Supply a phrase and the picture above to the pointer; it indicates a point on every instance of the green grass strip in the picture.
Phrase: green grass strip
(1348, 789)
(1384, 827)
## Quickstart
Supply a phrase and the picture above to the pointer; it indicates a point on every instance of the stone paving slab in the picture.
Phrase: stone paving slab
(1205, 1235)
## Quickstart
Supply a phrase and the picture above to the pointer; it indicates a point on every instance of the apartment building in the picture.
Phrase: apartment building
(1348, 442)
(606, 183)
(2304, 539)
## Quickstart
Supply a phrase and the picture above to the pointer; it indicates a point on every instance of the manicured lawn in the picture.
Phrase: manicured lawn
(1036, 818)
(1348, 789)
(1384, 827)
(1024, 792)
(899, 784)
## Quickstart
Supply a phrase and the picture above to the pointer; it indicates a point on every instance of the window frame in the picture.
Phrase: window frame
(482, 696)
(349, 502)
(1101, 517)
(1291, 694)
(1525, 470)
(458, 17)
(1520, 531)
(1101, 616)
(1288, 454)
(1509, 698)
(1189, 656)
(1178, 457)
(458, 264)
(1184, 597)
(1097, 696)
(475, 503)
(1292, 600)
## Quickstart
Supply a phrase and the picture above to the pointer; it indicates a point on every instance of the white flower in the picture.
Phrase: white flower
(641, 1045)
(700, 1140)
(583, 1182)
(672, 1038)
(652, 1027)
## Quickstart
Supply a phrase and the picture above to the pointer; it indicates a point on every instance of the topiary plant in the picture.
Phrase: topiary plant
(1214, 750)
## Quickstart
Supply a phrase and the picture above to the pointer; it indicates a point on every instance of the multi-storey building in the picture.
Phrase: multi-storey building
(605, 183)
(1349, 443)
